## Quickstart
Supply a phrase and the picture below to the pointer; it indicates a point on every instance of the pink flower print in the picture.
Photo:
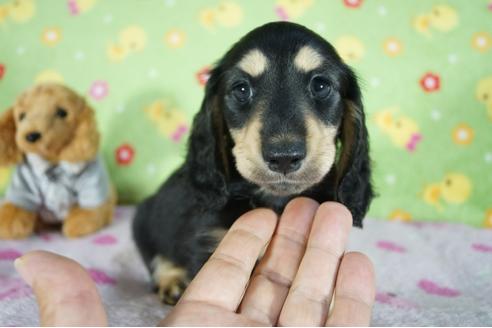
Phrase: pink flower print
(2, 71)
(203, 75)
(352, 3)
(99, 90)
(106, 239)
(430, 82)
(390, 246)
(125, 154)
(432, 288)
(100, 277)
(9, 254)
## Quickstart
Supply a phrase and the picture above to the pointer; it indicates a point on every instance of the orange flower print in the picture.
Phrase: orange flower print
(463, 134)
(392, 47)
(51, 36)
(481, 41)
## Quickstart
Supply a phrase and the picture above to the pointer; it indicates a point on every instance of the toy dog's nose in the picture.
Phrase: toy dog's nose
(33, 137)
(285, 159)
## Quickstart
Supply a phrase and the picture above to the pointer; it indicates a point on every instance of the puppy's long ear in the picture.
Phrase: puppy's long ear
(84, 144)
(354, 167)
(207, 157)
(9, 152)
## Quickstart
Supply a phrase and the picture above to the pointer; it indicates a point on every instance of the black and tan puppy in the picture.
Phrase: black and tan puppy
(282, 117)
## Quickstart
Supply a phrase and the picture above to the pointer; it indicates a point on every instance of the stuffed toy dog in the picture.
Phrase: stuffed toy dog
(51, 135)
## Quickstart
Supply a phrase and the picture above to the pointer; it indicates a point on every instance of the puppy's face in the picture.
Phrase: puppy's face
(46, 118)
(282, 94)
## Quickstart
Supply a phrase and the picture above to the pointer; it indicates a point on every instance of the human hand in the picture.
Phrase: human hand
(292, 284)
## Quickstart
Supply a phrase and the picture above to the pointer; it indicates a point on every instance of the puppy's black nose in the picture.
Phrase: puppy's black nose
(284, 159)
(33, 137)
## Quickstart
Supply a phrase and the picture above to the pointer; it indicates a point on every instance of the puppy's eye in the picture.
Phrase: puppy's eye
(61, 113)
(242, 92)
(320, 88)
(22, 116)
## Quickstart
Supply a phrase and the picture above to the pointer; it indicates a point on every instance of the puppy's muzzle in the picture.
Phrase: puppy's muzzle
(284, 157)
(32, 137)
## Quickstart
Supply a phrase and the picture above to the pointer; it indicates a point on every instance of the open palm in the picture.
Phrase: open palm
(303, 266)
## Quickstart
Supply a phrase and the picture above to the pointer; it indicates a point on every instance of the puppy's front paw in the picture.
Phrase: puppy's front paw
(171, 292)
(170, 280)
(15, 222)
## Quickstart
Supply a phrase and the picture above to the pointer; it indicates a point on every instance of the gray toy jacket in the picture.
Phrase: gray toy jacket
(52, 190)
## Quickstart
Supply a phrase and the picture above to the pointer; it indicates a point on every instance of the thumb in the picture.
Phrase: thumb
(65, 293)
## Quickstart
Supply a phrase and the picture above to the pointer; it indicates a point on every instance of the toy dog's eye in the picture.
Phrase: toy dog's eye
(22, 116)
(61, 113)
(320, 88)
(242, 92)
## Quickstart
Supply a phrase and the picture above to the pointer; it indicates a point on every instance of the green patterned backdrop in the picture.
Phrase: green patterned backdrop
(425, 68)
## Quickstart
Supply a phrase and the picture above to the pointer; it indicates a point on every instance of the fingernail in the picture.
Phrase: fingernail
(20, 266)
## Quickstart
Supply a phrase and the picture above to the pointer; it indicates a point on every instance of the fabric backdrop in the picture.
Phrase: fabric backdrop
(425, 68)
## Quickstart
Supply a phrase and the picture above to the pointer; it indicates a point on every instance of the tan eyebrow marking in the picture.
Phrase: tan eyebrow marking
(307, 59)
(254, 63)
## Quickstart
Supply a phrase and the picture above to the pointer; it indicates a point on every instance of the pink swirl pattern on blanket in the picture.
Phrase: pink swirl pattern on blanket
(482, 248)
(390, 246)
(9, 254)
(106, 239)
(433, 288)
(100, 277)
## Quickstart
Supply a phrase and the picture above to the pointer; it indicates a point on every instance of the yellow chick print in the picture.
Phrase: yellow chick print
(131, 39)
(441, 17)
(48, 75)
(3, 13)
(350, 48)
(487, 223)
(455, 188)
(484, 94)
(291, 9)
(400, 215)
(402, 130)
(20, 11)
(226, 14)
(170, 121)
(116, 52)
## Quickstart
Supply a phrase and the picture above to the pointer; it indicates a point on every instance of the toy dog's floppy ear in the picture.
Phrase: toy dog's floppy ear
(84, 144)
(207, 156)
(354, 188)
(9, 152)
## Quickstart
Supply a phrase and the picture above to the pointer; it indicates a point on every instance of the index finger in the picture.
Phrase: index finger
(224, 277)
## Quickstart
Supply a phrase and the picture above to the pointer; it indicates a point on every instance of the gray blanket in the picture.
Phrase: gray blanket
(427, 274)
